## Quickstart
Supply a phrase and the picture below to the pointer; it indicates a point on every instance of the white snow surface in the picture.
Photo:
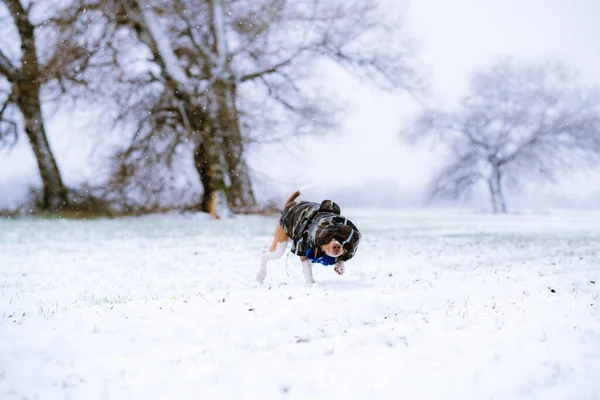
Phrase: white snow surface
(435, 305)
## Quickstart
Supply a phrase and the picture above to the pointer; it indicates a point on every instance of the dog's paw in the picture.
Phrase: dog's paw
(340, 269)
(260, 278)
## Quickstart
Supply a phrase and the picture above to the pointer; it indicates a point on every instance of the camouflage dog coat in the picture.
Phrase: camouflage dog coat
(311, 225)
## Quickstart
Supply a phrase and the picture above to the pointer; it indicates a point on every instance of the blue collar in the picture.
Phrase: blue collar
(325, 260)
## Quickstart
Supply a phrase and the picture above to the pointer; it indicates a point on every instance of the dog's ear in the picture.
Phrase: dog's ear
(331, 232)
(351, 245)
(330, 206)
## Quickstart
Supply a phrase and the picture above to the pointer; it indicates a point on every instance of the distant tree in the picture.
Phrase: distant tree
(517, 122)
(230, 73)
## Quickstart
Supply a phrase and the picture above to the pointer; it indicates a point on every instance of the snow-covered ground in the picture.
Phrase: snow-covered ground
(435, 305)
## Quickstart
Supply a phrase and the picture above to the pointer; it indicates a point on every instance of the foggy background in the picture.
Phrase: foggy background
(366, 163)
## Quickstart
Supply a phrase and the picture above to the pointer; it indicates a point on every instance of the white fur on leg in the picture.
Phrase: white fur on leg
(340, 267)
(307, 270)
(279, 250)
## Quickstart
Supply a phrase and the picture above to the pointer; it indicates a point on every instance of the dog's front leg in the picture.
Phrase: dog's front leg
(307, 270)
(340, 267)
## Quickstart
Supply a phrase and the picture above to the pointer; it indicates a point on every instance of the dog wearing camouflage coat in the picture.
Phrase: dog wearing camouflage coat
(319, 234)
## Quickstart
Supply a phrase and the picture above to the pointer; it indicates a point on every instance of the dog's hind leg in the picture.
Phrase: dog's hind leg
(276, 250)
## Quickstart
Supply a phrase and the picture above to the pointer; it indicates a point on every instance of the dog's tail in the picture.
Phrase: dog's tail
(297, 193)
(292, 197)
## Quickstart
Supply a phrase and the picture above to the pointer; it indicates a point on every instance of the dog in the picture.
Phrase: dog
(319, 234)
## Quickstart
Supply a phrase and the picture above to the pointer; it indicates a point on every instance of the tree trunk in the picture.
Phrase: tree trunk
(207, 178)
(496, 191)
(54, 194)
(500, 191)
(240, 194)
(27, 88)
(225, 115)
(493, 195)
(208, 165)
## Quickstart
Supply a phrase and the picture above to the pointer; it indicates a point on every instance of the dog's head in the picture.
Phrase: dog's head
(338, 240)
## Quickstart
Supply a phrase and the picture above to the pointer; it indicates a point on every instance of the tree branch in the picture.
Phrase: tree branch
(269, 70)
(7, 69)
(10, 129)
(202, 50)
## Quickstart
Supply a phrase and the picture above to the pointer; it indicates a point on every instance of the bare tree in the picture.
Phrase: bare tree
(232, 73)
(25, 77)
(45, 75)
(167, 109)
(516, 123)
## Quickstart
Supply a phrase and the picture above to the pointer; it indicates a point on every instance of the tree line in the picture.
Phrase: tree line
(189, 79)
(197, 82)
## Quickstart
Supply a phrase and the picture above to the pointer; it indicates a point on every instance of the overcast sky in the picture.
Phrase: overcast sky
(454, 39)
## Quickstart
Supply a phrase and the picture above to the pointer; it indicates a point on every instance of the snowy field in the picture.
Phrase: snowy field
(435, 305)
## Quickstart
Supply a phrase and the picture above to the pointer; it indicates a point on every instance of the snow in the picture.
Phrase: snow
(435, 305)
